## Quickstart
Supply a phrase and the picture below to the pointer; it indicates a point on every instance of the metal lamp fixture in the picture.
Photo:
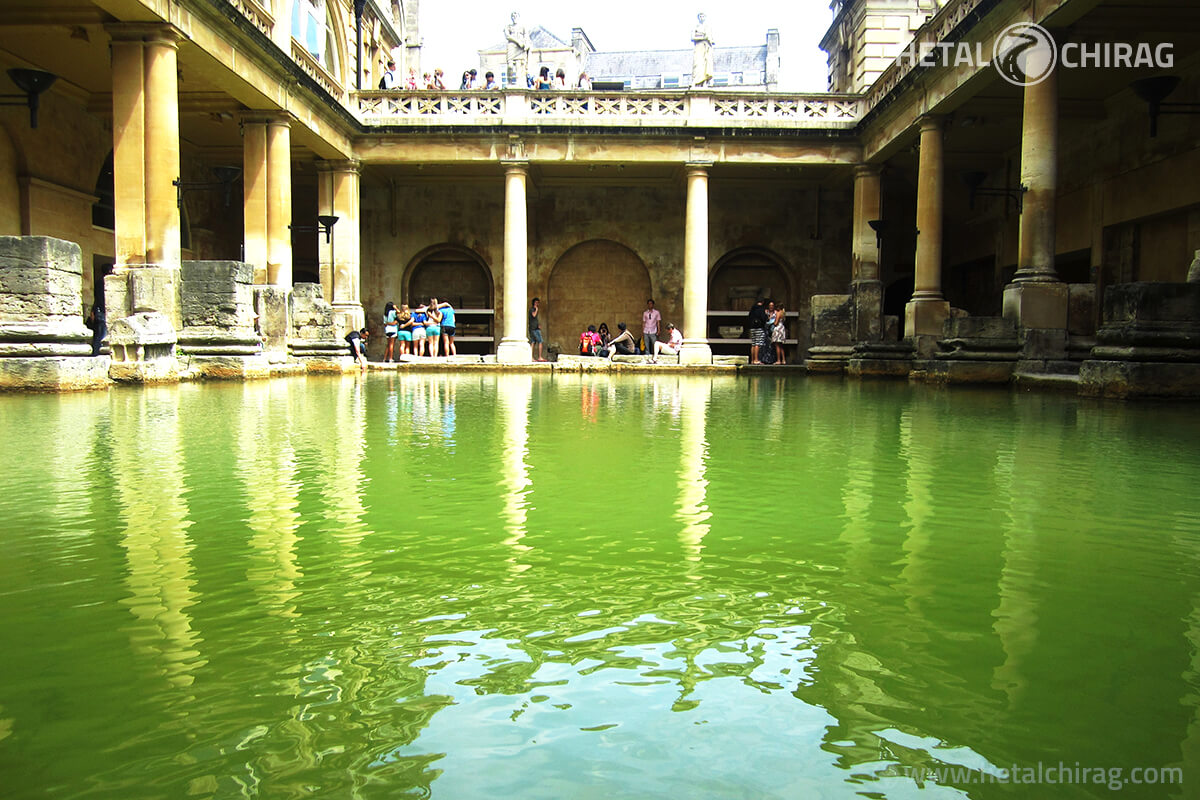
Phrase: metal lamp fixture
(325, 223)
(225, 176)
(32, 82)
(974, 181)
(1155, 91)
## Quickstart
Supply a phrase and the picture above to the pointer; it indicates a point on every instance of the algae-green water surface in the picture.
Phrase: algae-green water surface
(535, 586)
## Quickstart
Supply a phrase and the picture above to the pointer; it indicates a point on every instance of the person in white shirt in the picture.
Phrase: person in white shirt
(672, 346)
(390, 80)
(650, 320)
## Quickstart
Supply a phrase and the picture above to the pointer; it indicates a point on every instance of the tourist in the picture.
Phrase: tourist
(427, 81)
(605, 336)
(438, 80)
(466, 82)
(779, 334)
(671, 347)
(404, 333)
(410, 82)
(474, 79)
(433, 328)
(543, 81)
(560, 80)
(589, 341)
(585, 83)
(623, 345)
(358, 346)
(756, 321)
(447, 312)
(535, 329)
(489, 82)
(99, 326)
(766, 354)
(650, 320)
(390, 79)
(419, 318)
(391, 327)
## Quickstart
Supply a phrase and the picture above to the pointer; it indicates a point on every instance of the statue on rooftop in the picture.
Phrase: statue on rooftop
(702, 55)
(518, 52)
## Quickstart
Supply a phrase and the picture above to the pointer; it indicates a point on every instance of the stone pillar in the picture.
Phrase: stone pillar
(1036, 298)
(145, 144)
(338, 195)
(254, 193)
(695, 348)
(514, 343)
(866, 290)
(928, 310)
(867, 206)
(279, 203)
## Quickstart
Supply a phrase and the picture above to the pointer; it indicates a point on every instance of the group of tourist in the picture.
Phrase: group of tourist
(423, 330)
(597, 341)
(435, 81)
(768, 332)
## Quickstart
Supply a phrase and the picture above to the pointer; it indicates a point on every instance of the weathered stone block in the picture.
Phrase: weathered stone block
(1081, 309)
(217, 294)
(271, 305)
(143, 348)
(1037, 305)
(867, 304)
(925, 318)
(40, 280)
(51, 374)
(832, 320)
(154, 289)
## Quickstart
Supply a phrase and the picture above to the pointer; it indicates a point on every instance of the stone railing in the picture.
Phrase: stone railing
(611, 109)
(259, 17)
(317, 72)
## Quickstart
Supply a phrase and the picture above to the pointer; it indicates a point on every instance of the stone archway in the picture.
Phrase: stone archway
(593, 282)
(461, 277)
(741, 275)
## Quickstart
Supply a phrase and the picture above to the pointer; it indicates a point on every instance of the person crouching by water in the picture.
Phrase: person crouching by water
(358, 346)
(624, 343)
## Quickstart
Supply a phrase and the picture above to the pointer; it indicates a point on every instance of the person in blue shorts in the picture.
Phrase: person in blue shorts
(535, 329)
(447, 310)
(404, 332)
(433, 327)
(419, 318)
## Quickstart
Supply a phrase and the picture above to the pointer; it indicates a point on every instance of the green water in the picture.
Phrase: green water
(488, 586)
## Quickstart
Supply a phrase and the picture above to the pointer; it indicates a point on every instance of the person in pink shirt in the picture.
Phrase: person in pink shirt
(650, 320)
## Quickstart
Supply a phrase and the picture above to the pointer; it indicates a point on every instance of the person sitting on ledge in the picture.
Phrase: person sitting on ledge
(589, 341)
(623, 344)
(671, 347)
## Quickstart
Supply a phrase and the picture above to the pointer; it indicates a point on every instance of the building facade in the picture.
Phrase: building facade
(890, 217)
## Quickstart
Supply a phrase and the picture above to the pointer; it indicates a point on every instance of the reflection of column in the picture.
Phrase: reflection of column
(693, 513)
(918, 431)
(254, 196)
(267, 463)
(1016, 614)
(338, 195)
(1037, 298)
(514, 344)
(279, 202)
(345, 453)
(145, 144)
(695, 269)
(147, 470)
(514, 394)
(927, 311)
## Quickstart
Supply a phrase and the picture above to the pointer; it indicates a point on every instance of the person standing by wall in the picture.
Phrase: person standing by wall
(650, 321)
(756, 321)
(535, 329)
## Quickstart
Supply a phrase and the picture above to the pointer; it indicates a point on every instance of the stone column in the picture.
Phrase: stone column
(695, 348)
(129, 146)
(279, 202)
(255, 245)
(925, 313)
(866, 290)
(162, 148)
(514, 343)
(1037, 298)
(338, 195)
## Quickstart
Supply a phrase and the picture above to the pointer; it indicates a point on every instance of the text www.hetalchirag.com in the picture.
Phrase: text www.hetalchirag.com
(1112, 778)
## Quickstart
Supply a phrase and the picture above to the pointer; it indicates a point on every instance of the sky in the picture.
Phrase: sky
(454, 30)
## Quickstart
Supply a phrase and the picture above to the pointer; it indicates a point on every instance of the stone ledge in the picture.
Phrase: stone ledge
(55, 374)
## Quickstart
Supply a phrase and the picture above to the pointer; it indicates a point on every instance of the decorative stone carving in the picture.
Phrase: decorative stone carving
(143, 348)
(702, 54)
(518, 51)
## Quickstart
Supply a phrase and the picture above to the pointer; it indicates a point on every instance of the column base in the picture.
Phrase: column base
(925, 317)
(693, 353)
(348, 317)
(1040, 305)
(514, 351)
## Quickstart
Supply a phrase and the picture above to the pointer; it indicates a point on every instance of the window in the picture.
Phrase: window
(670, 81)
(313, 28)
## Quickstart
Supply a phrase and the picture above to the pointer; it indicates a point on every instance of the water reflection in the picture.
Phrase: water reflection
(588, 586)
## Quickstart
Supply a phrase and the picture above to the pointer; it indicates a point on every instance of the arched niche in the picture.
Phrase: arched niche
(462, 278)
(593, 282)
(742, 275)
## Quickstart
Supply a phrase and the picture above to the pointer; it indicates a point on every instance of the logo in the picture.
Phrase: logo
(1024, 54)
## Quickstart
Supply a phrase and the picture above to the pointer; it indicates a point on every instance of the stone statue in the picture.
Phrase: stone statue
(518, 52)
(702, 56)
(1194, 269)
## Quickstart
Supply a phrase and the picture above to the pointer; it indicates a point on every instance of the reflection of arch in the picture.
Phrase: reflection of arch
(595, 281)
(10, 192)
(741, 275)
(449, 272)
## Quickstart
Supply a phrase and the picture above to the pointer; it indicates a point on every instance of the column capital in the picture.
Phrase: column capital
(266, 117)
(868, 170)
(149, 32)
(515, 165)
(697, 167)
(347, 165)
(931, 122)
